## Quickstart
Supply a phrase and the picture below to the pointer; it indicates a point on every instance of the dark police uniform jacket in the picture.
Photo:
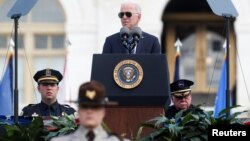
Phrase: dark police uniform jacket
(42, 109)
(171, 111)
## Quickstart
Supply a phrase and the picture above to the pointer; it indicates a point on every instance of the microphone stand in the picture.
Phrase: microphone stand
(130, 45)
(20, 8)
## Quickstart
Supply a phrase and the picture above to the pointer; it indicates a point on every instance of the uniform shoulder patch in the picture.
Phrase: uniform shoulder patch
(27, 109)
(31, 105)
(66, 105)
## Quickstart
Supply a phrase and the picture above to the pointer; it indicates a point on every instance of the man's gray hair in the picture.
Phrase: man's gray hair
(137, 6)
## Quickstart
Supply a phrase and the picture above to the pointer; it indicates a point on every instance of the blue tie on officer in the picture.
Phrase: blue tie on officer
(48, 80)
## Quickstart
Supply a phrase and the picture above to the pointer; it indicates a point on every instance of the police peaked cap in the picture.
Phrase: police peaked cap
(180, 85)
(48, 76)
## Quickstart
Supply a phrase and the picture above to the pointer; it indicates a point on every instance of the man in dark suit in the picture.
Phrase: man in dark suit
(48, 80)
(130, 15)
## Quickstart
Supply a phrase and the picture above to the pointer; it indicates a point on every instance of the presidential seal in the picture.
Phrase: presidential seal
(128, 74)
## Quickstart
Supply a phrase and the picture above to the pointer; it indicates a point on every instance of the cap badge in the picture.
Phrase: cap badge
(48, 72)
(90, 94)
(181, 84)
(34, 115)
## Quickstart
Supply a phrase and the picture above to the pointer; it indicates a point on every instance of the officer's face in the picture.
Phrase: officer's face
(130, 15)
(182, 102)
(48, 92)
(91, 117)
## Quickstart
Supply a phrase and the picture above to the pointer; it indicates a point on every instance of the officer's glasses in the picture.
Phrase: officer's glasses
(181, 97)
(128, 14)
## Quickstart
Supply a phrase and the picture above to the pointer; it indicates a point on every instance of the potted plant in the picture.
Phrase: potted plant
(28, 129)
(38, 128)
(188, 125)
(59, 126)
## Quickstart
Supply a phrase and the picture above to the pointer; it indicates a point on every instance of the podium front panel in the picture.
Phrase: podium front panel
(153, 89)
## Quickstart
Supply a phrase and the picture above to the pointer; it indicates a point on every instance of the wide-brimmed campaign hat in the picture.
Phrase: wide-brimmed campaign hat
(48, 76)
(93, 93)
(181, 87)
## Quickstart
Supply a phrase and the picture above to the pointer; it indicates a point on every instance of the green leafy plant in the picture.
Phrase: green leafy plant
(17, 132)
(61, 126)
(41, 129)
(188, 125)
(231, 119)
(164, 129)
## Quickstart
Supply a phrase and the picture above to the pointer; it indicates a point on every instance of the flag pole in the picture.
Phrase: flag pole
(16, 18)
(228, 94)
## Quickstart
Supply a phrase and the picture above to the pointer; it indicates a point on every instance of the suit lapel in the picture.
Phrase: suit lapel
(123, 49)
(118, 45)
(139, 47)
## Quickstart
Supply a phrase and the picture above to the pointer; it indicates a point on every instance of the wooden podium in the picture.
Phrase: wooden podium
(138, 82)
(125, 121)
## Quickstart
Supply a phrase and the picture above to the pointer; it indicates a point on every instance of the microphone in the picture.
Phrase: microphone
(136, 33)
(124, 33)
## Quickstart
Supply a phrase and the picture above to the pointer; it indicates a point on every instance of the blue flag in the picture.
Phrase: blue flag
(6, 89)
(177, 64)
(220, 101)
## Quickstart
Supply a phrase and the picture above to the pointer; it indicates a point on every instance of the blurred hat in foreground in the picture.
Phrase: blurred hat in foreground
(93, 93)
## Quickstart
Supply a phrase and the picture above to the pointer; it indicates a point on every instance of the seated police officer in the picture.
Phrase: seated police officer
(47, 80)
(91, 111)
(180, 96)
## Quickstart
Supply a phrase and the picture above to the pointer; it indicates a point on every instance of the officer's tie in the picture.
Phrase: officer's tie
(90, 135)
